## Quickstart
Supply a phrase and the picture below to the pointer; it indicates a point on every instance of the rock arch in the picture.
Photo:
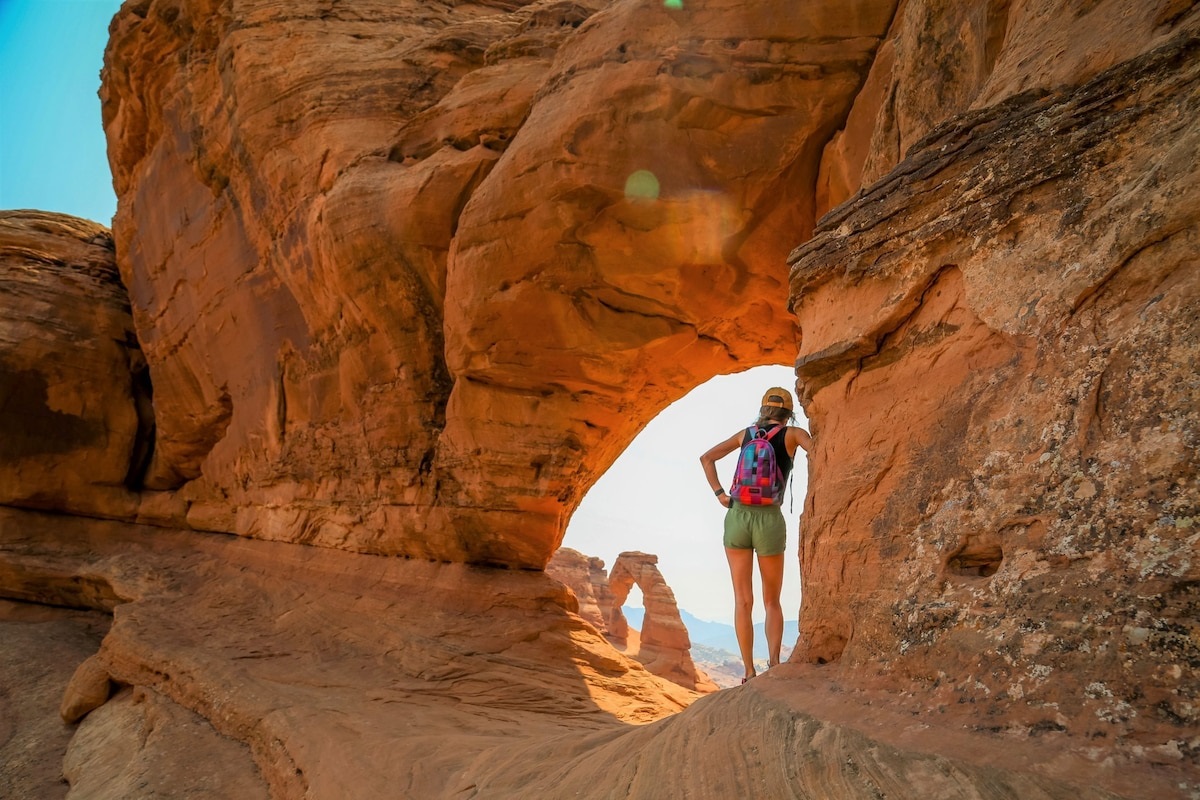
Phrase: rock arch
(665, 647)
(422, 324)
(433, 323)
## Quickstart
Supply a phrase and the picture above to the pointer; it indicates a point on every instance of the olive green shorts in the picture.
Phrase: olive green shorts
(760, 527)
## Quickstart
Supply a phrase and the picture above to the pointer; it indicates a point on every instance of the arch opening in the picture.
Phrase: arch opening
(654, 499)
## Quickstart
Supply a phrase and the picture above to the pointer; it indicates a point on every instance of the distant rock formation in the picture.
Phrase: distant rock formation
(663, 646)
(586, 577)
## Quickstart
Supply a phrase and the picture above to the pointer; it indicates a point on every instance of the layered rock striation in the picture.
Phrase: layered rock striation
(321, 673)
(76, 420)
(1007, 416)
(424, 270)
(407, 277)
(586, 577)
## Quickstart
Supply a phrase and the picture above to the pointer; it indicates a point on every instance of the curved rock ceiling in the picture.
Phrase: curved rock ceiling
(410, 276)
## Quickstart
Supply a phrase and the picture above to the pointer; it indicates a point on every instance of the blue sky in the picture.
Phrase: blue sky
(52, 151)
(52, 158)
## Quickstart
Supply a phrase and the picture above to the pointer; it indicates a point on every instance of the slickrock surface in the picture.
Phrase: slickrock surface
(348, 675)
(331, 667)
(384, 265)
(39, 649)
(1007, 418)
(753, 741)
(71, 373)
(140, 744)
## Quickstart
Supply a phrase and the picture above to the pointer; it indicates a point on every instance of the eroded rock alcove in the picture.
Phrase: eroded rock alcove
(389, 295)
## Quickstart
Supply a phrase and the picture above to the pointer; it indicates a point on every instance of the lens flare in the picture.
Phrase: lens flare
(641, 185)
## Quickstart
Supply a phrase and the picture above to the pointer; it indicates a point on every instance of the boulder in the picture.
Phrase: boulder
(88, 689)
(75, 429)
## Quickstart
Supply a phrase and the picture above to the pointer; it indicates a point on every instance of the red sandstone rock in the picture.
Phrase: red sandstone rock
(88, 689)
(39, 648)
(944, 57)
(140, 744)
(587, 578)
(663, 642)
(421, 313)
(1001, 513)
(662, 645)
(346, 674)
(70, 370)
(394, 299)
(335, 669)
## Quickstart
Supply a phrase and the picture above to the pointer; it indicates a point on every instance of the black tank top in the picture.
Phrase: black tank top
(779, 443)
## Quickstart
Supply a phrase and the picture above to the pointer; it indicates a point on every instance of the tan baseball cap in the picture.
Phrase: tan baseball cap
(777, 397)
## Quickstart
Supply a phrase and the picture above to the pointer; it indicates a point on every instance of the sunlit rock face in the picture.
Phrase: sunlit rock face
(999, 341)
(71, 373)
(663, 645)
(663, 642)
(586, 577)
(944, 57)
(409, 276)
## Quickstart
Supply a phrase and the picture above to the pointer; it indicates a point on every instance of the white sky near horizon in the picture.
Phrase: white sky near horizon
(684, 529)
(53, 158)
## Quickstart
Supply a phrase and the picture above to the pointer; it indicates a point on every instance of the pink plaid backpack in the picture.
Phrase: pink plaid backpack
(757, 480)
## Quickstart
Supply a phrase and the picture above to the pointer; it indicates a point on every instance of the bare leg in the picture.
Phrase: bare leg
(771, 570)
(741, 569)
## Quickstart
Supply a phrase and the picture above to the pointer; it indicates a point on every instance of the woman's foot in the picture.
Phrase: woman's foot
(748, 677)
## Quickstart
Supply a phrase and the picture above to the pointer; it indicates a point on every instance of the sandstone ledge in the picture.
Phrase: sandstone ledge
(317, 659)
(387, 675)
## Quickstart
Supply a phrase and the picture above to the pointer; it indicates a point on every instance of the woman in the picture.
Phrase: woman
(758, 529)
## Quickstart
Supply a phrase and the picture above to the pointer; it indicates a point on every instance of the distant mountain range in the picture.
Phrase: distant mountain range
(719, 635)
